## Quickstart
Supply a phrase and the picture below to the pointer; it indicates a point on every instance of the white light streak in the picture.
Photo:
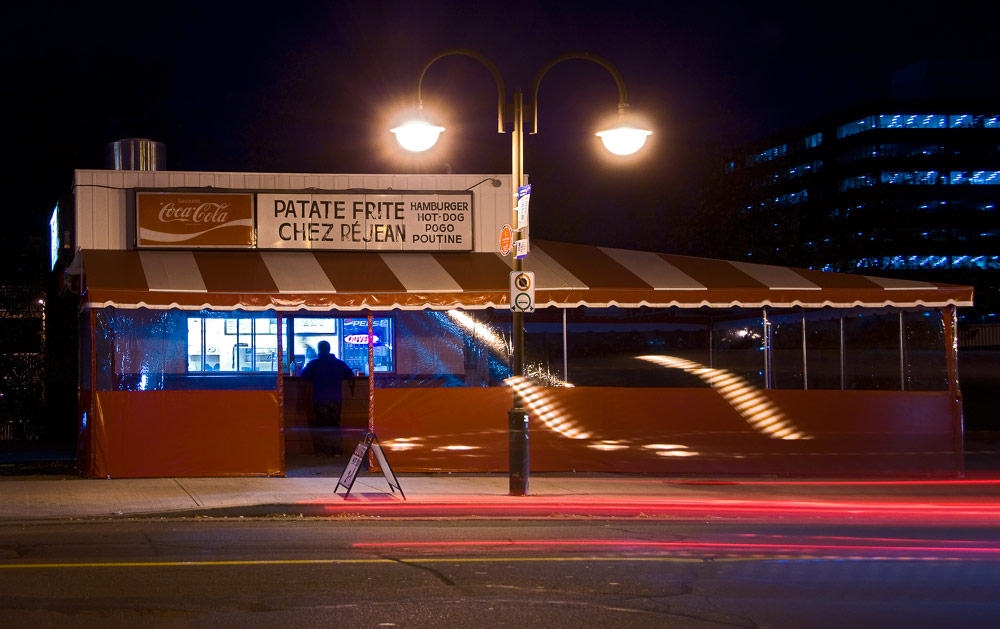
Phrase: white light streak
(755, 407)
(481, 332)
(546, 410)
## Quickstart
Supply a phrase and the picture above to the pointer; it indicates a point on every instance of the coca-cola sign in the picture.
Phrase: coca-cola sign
(200, 219)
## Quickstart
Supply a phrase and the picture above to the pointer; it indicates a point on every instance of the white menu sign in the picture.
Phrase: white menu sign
(382, 221)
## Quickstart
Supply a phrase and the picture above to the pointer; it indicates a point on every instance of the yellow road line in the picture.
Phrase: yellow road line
(293, 562)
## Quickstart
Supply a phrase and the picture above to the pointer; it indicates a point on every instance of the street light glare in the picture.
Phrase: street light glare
(623, 140)
(417, 135)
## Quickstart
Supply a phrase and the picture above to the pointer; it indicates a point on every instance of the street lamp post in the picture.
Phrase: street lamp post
(419, 135)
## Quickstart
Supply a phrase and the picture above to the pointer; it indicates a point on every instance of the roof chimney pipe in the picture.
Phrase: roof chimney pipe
(136, 154)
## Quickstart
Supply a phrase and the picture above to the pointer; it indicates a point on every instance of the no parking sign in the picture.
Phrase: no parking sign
(522, 291)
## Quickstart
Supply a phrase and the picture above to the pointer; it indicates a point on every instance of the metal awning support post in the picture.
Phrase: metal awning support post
(281, 395)
(805, 356)
(950, 320)
(902, 353)
(767, 352)
(371, 372)
(843, 355)
(371, 383)
(565, 349)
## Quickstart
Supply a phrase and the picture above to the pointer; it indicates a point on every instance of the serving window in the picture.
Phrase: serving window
(231, 342)
(150, 350)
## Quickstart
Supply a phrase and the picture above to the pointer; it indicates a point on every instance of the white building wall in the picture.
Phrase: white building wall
(102, 197)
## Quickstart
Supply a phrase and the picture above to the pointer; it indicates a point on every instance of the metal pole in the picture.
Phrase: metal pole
(843, 355)
(950, 321)
(565, 350)
(519, 469)
(371, 371)
(279, 357)
(518, 416)
(767, 351)
(371, 384)
(711, 349)
(805, 362)
(93, 422)
(902, 355)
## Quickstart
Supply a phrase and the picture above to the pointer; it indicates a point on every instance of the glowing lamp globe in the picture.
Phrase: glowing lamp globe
(623, 140)
(417, 135)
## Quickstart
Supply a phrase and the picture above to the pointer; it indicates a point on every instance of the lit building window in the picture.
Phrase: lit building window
(770, 154)
(918, 121)
(853, 183)
(913, 121)
(961, 121)
(857, 126)
(915, 177)
(976, 177)
(797, 171)
(925, 262)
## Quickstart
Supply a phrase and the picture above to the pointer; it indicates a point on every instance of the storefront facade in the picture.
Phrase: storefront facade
(202, 295)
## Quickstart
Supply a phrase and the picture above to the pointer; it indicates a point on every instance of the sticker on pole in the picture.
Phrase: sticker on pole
(521, 248)
(506, 239)
(523, 198)
(522, 291)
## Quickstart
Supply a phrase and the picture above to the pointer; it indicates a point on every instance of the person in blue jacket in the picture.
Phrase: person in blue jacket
(327, 373)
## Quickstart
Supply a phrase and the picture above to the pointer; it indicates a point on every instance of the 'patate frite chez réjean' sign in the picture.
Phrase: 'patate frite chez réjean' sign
(383, 221)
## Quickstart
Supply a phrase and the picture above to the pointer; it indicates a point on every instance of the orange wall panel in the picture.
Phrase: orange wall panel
(636, 430)
(185, 433)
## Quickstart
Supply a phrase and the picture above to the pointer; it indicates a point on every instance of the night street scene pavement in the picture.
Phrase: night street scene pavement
(281, 346)
(481, 572)
(581, 549)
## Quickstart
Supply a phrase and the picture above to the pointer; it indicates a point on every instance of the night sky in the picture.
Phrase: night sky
(314, 86)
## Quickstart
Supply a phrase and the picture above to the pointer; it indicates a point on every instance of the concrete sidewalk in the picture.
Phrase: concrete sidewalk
(315, 494)
(42, 485)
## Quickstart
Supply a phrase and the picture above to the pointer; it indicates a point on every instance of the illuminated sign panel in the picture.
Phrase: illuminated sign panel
(194, 220)
(389, 221)
(341, 221)
(354, 348)
(54, 242)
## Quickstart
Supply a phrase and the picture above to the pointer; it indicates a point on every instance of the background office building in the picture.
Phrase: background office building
(906, 188)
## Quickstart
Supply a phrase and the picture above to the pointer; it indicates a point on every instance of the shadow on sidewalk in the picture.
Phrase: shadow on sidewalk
(316, 466)
(58, 460)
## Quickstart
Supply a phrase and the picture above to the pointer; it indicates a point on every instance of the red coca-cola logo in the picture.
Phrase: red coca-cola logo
(203, 213)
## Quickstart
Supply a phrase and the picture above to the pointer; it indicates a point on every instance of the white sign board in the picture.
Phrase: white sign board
(522, 291)
(363, 221)
(523, 199)
(521, 248)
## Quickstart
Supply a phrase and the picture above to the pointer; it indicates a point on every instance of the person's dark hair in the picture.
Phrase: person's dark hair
(323, 347)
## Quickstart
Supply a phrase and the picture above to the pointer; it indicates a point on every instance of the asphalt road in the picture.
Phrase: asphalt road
(305, 572)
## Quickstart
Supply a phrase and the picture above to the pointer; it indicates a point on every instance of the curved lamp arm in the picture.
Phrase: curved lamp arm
(601, 61)
(501, 95)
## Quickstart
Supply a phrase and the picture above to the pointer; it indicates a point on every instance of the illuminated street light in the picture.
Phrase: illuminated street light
(419, 135)
(623, 140)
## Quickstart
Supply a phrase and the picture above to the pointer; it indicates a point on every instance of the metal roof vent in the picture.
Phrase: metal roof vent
(136, 154)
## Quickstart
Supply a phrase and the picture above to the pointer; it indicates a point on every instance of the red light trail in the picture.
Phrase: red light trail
(956, 512)
(875, 548)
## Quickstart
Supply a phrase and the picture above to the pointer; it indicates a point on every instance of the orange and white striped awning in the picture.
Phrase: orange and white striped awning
(566, 275)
